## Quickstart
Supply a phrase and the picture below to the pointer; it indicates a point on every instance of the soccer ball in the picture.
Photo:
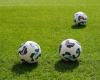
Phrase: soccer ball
(80, 18)
(70, 50)
(29, 52)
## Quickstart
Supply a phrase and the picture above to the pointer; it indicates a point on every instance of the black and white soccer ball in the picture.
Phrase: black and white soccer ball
(29, 52)
(80, 18)
(70, 50)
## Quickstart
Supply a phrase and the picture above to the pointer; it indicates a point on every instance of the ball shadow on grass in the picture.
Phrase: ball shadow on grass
(21, 68)
(63, 66)
(78, 26)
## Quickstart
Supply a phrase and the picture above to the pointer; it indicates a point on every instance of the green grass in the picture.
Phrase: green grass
(48, 22)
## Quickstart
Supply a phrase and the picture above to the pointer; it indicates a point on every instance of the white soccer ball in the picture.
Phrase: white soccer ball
(29, 52)
(80, 18)
(70, 50)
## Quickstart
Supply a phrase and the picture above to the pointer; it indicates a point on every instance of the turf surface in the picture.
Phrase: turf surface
(48, 22)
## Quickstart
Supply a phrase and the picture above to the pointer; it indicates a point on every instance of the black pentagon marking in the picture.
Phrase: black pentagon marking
(32, 59)
(67, 53)
(39, 55)
(74, 56)
(24, 50)
(20, 52)
(36, 50)
(60, 48)
(78, 52)
(74, 20)
(80, 17)
(32, 55)
(63, 54)
(69, 45)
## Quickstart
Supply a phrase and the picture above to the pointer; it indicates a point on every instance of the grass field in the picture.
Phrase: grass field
(48, 22)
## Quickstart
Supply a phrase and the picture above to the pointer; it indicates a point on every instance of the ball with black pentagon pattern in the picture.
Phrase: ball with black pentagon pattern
(80, 18)
(29, 52)
(70, 49)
